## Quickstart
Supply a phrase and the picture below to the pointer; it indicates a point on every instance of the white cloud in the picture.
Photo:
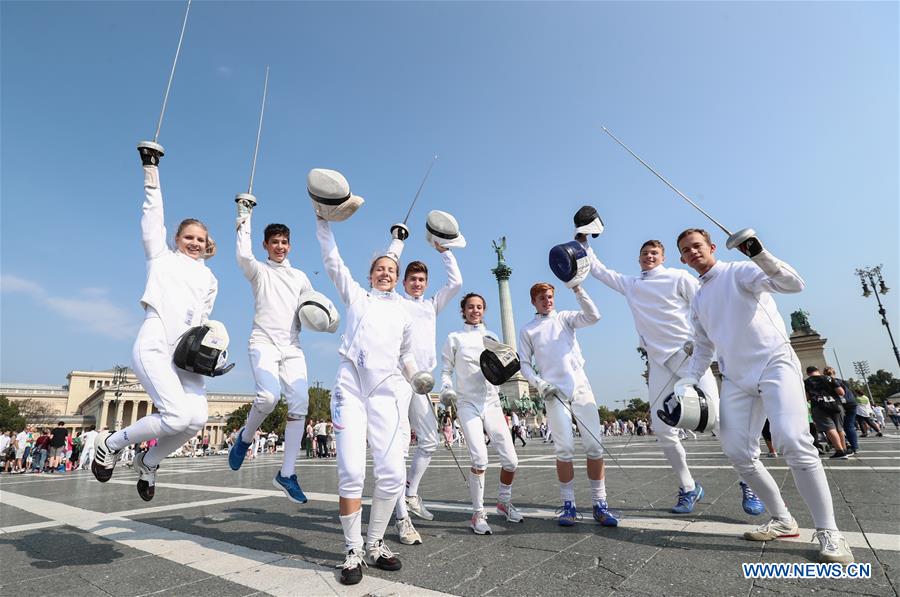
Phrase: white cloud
(15, 284)
(92, 314)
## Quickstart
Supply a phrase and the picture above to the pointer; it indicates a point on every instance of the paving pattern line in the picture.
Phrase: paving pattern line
(271, 573)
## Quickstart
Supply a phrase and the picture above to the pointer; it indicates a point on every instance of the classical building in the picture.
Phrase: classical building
(113, 398)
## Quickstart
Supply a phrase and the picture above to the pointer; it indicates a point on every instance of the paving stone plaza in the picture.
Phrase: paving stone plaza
(210, 531)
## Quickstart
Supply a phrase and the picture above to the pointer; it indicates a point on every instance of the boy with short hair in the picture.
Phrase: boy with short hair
(423, 313)
(276, 357)
(551, 361)
(735, 317)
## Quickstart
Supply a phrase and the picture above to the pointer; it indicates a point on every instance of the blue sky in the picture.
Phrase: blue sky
(779, 116)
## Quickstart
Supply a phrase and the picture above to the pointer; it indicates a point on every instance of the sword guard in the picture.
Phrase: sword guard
(740, 237)
(399, 231)
(152, 146)
(247, 198)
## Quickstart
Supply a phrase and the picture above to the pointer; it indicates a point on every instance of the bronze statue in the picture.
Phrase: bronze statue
(800, 321)
(499, 249)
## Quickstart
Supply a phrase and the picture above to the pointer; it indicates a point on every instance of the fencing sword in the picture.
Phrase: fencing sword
(153, 145)
(247, 199)
(402, 232)
(734, 239)
(449, 447)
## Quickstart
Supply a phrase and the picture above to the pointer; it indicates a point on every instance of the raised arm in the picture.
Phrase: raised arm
(610, 277)
(769, 274)
(347, 287)
(589, 315)
(454, 281)
(248, 263)
(153, 226)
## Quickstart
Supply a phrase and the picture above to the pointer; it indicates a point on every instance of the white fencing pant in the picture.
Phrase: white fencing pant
(661, 384)
(178, 395)
(781, 398)
(422, 419)
(489, 418)
(585, 408)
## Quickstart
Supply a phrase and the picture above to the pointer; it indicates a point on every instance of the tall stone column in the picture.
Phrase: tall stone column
(517, 387)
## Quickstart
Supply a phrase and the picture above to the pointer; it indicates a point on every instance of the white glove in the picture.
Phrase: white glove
(683, 383)
(244, 208)
(766, 262)
(547, 390)
(448, 397)
(422, 382)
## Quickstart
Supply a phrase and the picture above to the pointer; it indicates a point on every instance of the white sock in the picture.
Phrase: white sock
(379, 517)
(400, 510)
(143, 430)
(567, 491)
(598, 490)
(254, 419)
(476, 490)
(677, 459)
(417, 469)
(504, 492)
(293, 434)
(352, 526)
(813, 487)
(166, 445)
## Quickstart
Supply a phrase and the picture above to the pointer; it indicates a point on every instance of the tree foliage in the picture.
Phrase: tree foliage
(37, 411)
(11, 418)
(883, 385)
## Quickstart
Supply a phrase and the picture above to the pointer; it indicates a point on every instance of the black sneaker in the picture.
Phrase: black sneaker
(839, 455)
(381, 557)
(104, 459)
(146, 485)
(351, 569)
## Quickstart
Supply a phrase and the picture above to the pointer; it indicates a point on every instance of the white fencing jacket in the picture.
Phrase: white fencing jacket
(734, 314)
(462, 354)
(181, 290)
(276, 287)
(423, 313)
(660, 303)
(378, 330)
(548, 348)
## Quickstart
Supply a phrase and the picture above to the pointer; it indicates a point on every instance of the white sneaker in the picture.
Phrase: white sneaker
(834, 547)
(104, 458)
(380, 556)
(479, 523)
(146, 485)
(415, 505)
(511, 513)
(408, 533)
(774, 529)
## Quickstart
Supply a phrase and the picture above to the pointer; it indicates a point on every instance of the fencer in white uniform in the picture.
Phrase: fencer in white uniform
(479, 412)
(660, 303)
(179, 294)
(423, 313)
(276, 357)
(551, 360)
(366, 403)
(735, 315)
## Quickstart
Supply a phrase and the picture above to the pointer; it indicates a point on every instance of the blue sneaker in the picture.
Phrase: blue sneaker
(687, 499)
(238, 451)
(603, 515)
(750, 502)
(568, 515)
(291, 488)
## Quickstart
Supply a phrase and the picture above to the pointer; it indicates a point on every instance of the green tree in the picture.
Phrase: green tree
(237, 418)
(319, 404)
(883, 385)
(10, 417)
(606, 414)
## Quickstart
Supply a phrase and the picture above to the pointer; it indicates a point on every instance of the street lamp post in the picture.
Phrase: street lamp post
(867, 276)
(862, 369)
(118, 378)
